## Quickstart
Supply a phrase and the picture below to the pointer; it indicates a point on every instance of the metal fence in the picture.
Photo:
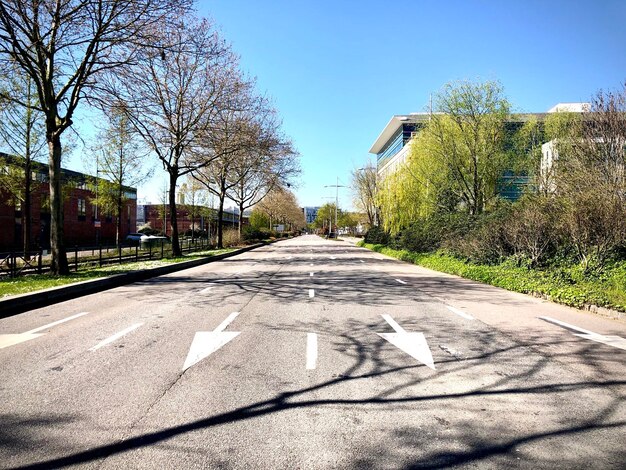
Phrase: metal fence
(13, 264)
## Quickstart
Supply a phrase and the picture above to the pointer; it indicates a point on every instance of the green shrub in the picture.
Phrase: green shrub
(376, 235)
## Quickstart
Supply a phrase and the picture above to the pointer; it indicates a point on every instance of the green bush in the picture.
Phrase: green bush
(376, 235)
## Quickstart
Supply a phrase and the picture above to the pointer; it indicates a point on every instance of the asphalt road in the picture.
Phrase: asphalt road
(311, 354)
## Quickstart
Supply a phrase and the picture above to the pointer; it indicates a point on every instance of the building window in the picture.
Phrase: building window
(81, 209)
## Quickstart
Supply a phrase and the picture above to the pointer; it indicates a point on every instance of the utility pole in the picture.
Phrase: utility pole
(336, 186)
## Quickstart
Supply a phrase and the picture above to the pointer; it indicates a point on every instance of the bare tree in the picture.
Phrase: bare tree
(591, 178)
(227, 140)
(281, 207)
(364, 191)
(269, 161)
(173, 98)
(64, 46)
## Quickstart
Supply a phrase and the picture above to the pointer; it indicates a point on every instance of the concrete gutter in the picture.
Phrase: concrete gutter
(24, 302)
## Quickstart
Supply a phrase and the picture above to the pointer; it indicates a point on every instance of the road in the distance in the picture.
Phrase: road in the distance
(311, 354)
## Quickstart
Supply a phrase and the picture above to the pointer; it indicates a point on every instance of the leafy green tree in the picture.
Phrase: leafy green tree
(121, 160)
(21, 134)
(468, 136)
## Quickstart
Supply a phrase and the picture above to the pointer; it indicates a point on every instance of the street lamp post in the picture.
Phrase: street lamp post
(336, 186)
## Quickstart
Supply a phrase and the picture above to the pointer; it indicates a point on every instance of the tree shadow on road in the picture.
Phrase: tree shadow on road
(470, 422)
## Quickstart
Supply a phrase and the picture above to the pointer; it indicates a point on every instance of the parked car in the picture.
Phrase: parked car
(136, 238)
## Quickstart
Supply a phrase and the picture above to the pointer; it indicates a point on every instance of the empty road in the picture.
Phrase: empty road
(311, 354)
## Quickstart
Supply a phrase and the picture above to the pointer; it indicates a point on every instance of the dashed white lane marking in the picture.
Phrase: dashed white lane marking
(332, 257)
(401, 281)
(311, 293)
(609, 340)
(362, 261)
(310, 274)
(206, 290)
(311, 351)
(460, 313)
(116, 336)
(58, 322)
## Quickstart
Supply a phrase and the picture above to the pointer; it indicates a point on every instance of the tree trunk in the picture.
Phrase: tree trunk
(240, 219)
(174, 216)
(118, 230)
(26, 209)
(57, 246)
(220, 215)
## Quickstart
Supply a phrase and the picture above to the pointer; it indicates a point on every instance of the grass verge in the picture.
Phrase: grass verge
(32, 283)
(568, 286)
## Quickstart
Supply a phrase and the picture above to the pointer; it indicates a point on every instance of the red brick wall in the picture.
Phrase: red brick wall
(77, 231)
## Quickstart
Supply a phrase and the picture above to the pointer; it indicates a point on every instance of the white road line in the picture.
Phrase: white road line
(401, 281)
(50, 325)
(609, 340)
(397, 328)
(310, 274)
(311, 293)
(206, 290)
(116, 336)
(229, 319)
(460, 313)
(567, 325)
(311, 351)
(362, 261)
(311, 264)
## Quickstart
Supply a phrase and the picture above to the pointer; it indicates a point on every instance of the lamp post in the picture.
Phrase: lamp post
(336, 186)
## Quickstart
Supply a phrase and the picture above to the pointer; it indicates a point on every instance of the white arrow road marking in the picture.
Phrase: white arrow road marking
(609, 340)
(311, 351)
(13, 339)
(414, 344)
(116, 336)
(460, 313)
(311, 293)
(206, 343)
(401, 281)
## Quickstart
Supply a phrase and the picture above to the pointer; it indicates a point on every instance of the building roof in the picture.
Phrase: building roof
(393, 125)
(397, 120)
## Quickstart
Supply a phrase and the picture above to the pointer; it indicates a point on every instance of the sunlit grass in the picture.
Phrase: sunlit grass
(36, 282)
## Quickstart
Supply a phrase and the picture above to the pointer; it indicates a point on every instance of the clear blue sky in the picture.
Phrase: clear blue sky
(338, 70)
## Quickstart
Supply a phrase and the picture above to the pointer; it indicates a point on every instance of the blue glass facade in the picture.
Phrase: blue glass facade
(395, 144)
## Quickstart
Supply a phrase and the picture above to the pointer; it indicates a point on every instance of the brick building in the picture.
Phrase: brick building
(203, 219)
(80, 225)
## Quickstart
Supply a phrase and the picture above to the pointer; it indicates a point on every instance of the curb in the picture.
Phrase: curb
(24, 302)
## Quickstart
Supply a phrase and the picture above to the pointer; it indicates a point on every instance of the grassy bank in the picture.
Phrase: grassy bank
(32, 283)
(568, 286)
